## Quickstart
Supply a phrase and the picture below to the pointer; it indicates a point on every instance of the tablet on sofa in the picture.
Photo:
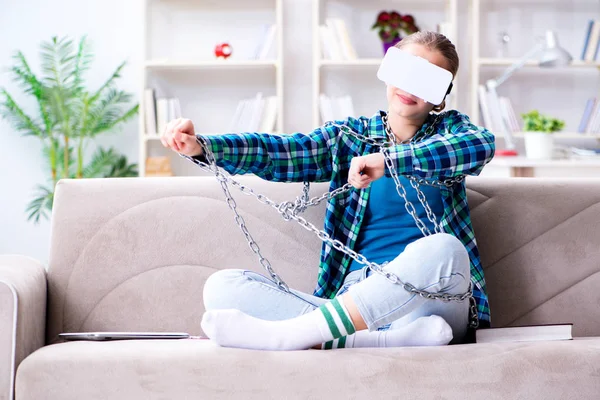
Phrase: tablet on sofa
(122, 335)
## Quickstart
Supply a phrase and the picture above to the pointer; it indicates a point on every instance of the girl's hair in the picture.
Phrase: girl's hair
(436, 42)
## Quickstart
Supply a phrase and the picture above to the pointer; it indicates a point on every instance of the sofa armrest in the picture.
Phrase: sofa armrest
(22, 315)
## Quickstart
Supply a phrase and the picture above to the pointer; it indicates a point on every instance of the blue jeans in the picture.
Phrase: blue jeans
(436, 263)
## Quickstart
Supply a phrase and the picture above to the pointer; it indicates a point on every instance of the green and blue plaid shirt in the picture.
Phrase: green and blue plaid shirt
(453, 147)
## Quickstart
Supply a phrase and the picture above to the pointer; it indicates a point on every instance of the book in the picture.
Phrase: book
(150, 112)
(162, 114)
(593, 124)
(587, 38)
(260, 43)
(341, 35)
(485, 110)
(512, 117)
(174, 109)
(269, 116)
(446, 29)
(593, 42)
(526, 333)
(267, 45)
(587, 112)
(258, 105)
(330, 47)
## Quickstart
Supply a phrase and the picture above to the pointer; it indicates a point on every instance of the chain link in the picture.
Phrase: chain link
(291, 210)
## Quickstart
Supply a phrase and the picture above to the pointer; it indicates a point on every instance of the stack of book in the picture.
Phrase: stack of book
(335, 108)
(335, 40)
(257, 114)
(499, 117)
(591, 42)
(159, 111)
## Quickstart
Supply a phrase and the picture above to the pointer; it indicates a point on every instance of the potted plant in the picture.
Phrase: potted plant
(539, 142)
(391, 25)
(69, 117)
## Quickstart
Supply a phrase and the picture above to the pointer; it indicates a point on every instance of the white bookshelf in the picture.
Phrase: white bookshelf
(565, 135)
(532, 87)
(206, 64)
(357, 78)
(179, 37)
(506, 62)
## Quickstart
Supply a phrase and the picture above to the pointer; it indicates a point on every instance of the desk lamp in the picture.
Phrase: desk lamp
(549, 55)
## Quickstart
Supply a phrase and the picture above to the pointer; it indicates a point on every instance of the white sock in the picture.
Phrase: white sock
(425, 331)
(233, 328)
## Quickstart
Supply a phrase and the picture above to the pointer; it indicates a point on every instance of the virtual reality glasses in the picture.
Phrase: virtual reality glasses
(415, 75)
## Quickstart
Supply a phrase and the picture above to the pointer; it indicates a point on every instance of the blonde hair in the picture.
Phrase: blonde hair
(436, 42)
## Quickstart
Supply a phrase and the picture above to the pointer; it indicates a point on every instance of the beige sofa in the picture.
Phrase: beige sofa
(133, 254)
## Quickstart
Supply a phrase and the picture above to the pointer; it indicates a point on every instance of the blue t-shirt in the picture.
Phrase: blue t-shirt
(387, 227)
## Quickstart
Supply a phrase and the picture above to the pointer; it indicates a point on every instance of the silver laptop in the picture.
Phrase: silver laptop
(99, 336)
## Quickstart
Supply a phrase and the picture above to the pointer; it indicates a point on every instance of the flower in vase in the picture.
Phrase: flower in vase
(391, 25)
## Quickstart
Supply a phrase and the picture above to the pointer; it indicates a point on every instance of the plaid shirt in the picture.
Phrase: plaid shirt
(454, 146)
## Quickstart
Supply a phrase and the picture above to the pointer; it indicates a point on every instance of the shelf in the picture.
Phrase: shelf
(564, 135)
(209, 64)
(506, 62)
(518, 161)
(351, 63)
(150, 138)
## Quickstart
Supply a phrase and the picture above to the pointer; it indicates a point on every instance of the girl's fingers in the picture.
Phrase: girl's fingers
(178, 125)
(170, 141)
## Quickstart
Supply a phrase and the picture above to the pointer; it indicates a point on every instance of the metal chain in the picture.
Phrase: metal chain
(290, 211)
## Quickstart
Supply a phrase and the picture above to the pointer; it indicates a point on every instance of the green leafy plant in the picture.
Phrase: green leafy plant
(69, 116)
(536, 122)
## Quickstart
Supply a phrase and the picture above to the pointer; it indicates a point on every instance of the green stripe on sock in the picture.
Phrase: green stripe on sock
(328, 345)
(343, 316)
(330, 321)
(342, 342)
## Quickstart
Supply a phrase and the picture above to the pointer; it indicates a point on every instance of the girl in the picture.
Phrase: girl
(351, 306)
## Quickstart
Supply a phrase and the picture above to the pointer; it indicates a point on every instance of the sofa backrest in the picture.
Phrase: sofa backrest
(132, 254)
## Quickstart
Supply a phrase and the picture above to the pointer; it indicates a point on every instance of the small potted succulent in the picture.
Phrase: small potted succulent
(391, 26)
(539, 142)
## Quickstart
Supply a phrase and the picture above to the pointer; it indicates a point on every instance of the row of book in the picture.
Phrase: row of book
(257, 114)
(159, 111)
(591, 43)
(335, 40)
(335, 108)
(590, 120)
(499, 117)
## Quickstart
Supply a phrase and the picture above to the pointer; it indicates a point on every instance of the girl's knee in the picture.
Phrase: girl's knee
(219, 286)
(443, 246)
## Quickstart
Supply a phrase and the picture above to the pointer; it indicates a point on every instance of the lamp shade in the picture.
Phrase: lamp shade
(552, 54)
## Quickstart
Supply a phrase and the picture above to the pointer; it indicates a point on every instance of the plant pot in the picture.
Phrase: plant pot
(387, 45)
(539, 145)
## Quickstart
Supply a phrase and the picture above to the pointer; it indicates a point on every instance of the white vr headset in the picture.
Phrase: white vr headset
(415, 75)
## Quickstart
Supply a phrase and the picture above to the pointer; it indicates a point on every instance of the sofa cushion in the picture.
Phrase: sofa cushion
(198, 369)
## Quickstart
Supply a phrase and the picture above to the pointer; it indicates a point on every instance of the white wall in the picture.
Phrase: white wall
(115, 29)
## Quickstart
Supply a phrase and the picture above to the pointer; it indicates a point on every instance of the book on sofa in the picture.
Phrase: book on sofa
(527, 333)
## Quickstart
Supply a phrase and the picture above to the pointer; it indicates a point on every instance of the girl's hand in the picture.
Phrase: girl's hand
(180, 137)
(366, 169)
